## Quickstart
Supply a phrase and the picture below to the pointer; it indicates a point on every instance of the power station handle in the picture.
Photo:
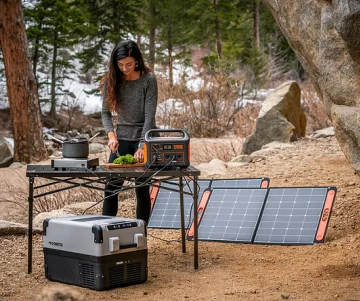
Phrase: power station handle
(185, 135)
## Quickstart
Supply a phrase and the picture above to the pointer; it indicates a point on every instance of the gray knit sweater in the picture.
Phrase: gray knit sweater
(137, 108)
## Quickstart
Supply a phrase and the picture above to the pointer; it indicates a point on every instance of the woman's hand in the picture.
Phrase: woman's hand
(113, 143)
(139, 155)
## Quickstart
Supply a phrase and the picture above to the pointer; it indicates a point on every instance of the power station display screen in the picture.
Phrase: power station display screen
(167, 147)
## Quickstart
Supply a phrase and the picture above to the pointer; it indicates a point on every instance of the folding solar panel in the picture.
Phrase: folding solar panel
(295, 215)
(268, 216)
(166, 204)
(229, 214)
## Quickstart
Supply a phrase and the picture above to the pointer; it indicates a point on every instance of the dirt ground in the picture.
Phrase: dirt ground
(228, 271)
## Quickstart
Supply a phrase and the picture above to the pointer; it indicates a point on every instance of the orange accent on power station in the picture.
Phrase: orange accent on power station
(145, 153)
(153, 194)
(205, 198)
(265, 184)
(178, 146)
(325, 215)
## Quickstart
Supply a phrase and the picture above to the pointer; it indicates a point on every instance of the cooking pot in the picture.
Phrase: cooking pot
(75, 148)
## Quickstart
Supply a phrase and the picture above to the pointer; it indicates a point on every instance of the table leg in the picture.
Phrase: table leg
(181, 188)
(30, 230)
(195, 196)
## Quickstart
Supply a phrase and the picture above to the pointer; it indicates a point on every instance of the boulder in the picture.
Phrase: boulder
(347, 130)
(6, 153)
(325, 38)
(281, 119)
(96, 148)
(347, 24)
(241, 159)
(11, 228)
(68, 210)
(15, 165)
(323, 133)
(214, 167)
(39, 219)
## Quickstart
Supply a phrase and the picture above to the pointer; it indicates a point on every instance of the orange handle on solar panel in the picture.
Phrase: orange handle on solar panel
(202, 205)
(153, 194)
(264, 184)
(325, 215)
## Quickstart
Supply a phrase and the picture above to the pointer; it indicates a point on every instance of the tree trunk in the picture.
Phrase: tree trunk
(256, 24)
(217, 29)
(21, 85)
(139, 35)
(170, 52)
(35, 57)
(152, 32)
(53, 77)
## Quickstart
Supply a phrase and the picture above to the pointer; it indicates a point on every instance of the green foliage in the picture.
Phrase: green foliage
(107, 23)
(54, 27)
(127, 159)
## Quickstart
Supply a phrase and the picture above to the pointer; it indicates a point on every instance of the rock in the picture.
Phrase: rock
(236, 164)
(39, 219)
(323, 133)
(16, 165)
(325, 38)
(277, 144)
(241, 159)
(11, 228)
(347, 24)
(6, 153)
(214, 167)
(96, 148)
(346, 126)
(281, 118)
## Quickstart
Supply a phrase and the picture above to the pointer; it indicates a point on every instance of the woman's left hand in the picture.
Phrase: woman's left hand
(139, 155)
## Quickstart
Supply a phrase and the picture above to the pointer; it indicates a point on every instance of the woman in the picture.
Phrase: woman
(129, 89)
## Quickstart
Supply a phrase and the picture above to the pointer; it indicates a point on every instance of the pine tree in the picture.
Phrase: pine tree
(107, 23)
(55, 28)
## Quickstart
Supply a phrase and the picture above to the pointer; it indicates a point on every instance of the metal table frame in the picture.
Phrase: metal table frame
(82, 177)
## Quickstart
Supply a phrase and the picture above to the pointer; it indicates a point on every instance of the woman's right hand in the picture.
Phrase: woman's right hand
(113, 143)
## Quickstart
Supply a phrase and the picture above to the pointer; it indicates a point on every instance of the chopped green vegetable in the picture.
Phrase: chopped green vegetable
(127, 159)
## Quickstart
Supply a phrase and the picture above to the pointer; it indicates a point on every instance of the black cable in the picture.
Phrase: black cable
(128, 187)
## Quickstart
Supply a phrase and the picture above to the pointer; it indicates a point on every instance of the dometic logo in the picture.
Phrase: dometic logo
(54, 243)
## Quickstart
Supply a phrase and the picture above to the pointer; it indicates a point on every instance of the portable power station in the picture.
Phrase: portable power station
(167, 147)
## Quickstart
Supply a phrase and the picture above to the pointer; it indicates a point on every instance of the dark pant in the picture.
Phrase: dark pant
(143, 205)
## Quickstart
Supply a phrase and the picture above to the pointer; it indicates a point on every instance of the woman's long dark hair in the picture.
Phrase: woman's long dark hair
(115, 76)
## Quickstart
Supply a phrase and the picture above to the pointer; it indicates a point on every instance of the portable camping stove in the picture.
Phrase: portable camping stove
(63, 163)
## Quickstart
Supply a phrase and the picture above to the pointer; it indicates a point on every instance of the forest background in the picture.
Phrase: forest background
(233, 48)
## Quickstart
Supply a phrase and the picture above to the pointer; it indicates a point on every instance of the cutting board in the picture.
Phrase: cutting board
(112, 165)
